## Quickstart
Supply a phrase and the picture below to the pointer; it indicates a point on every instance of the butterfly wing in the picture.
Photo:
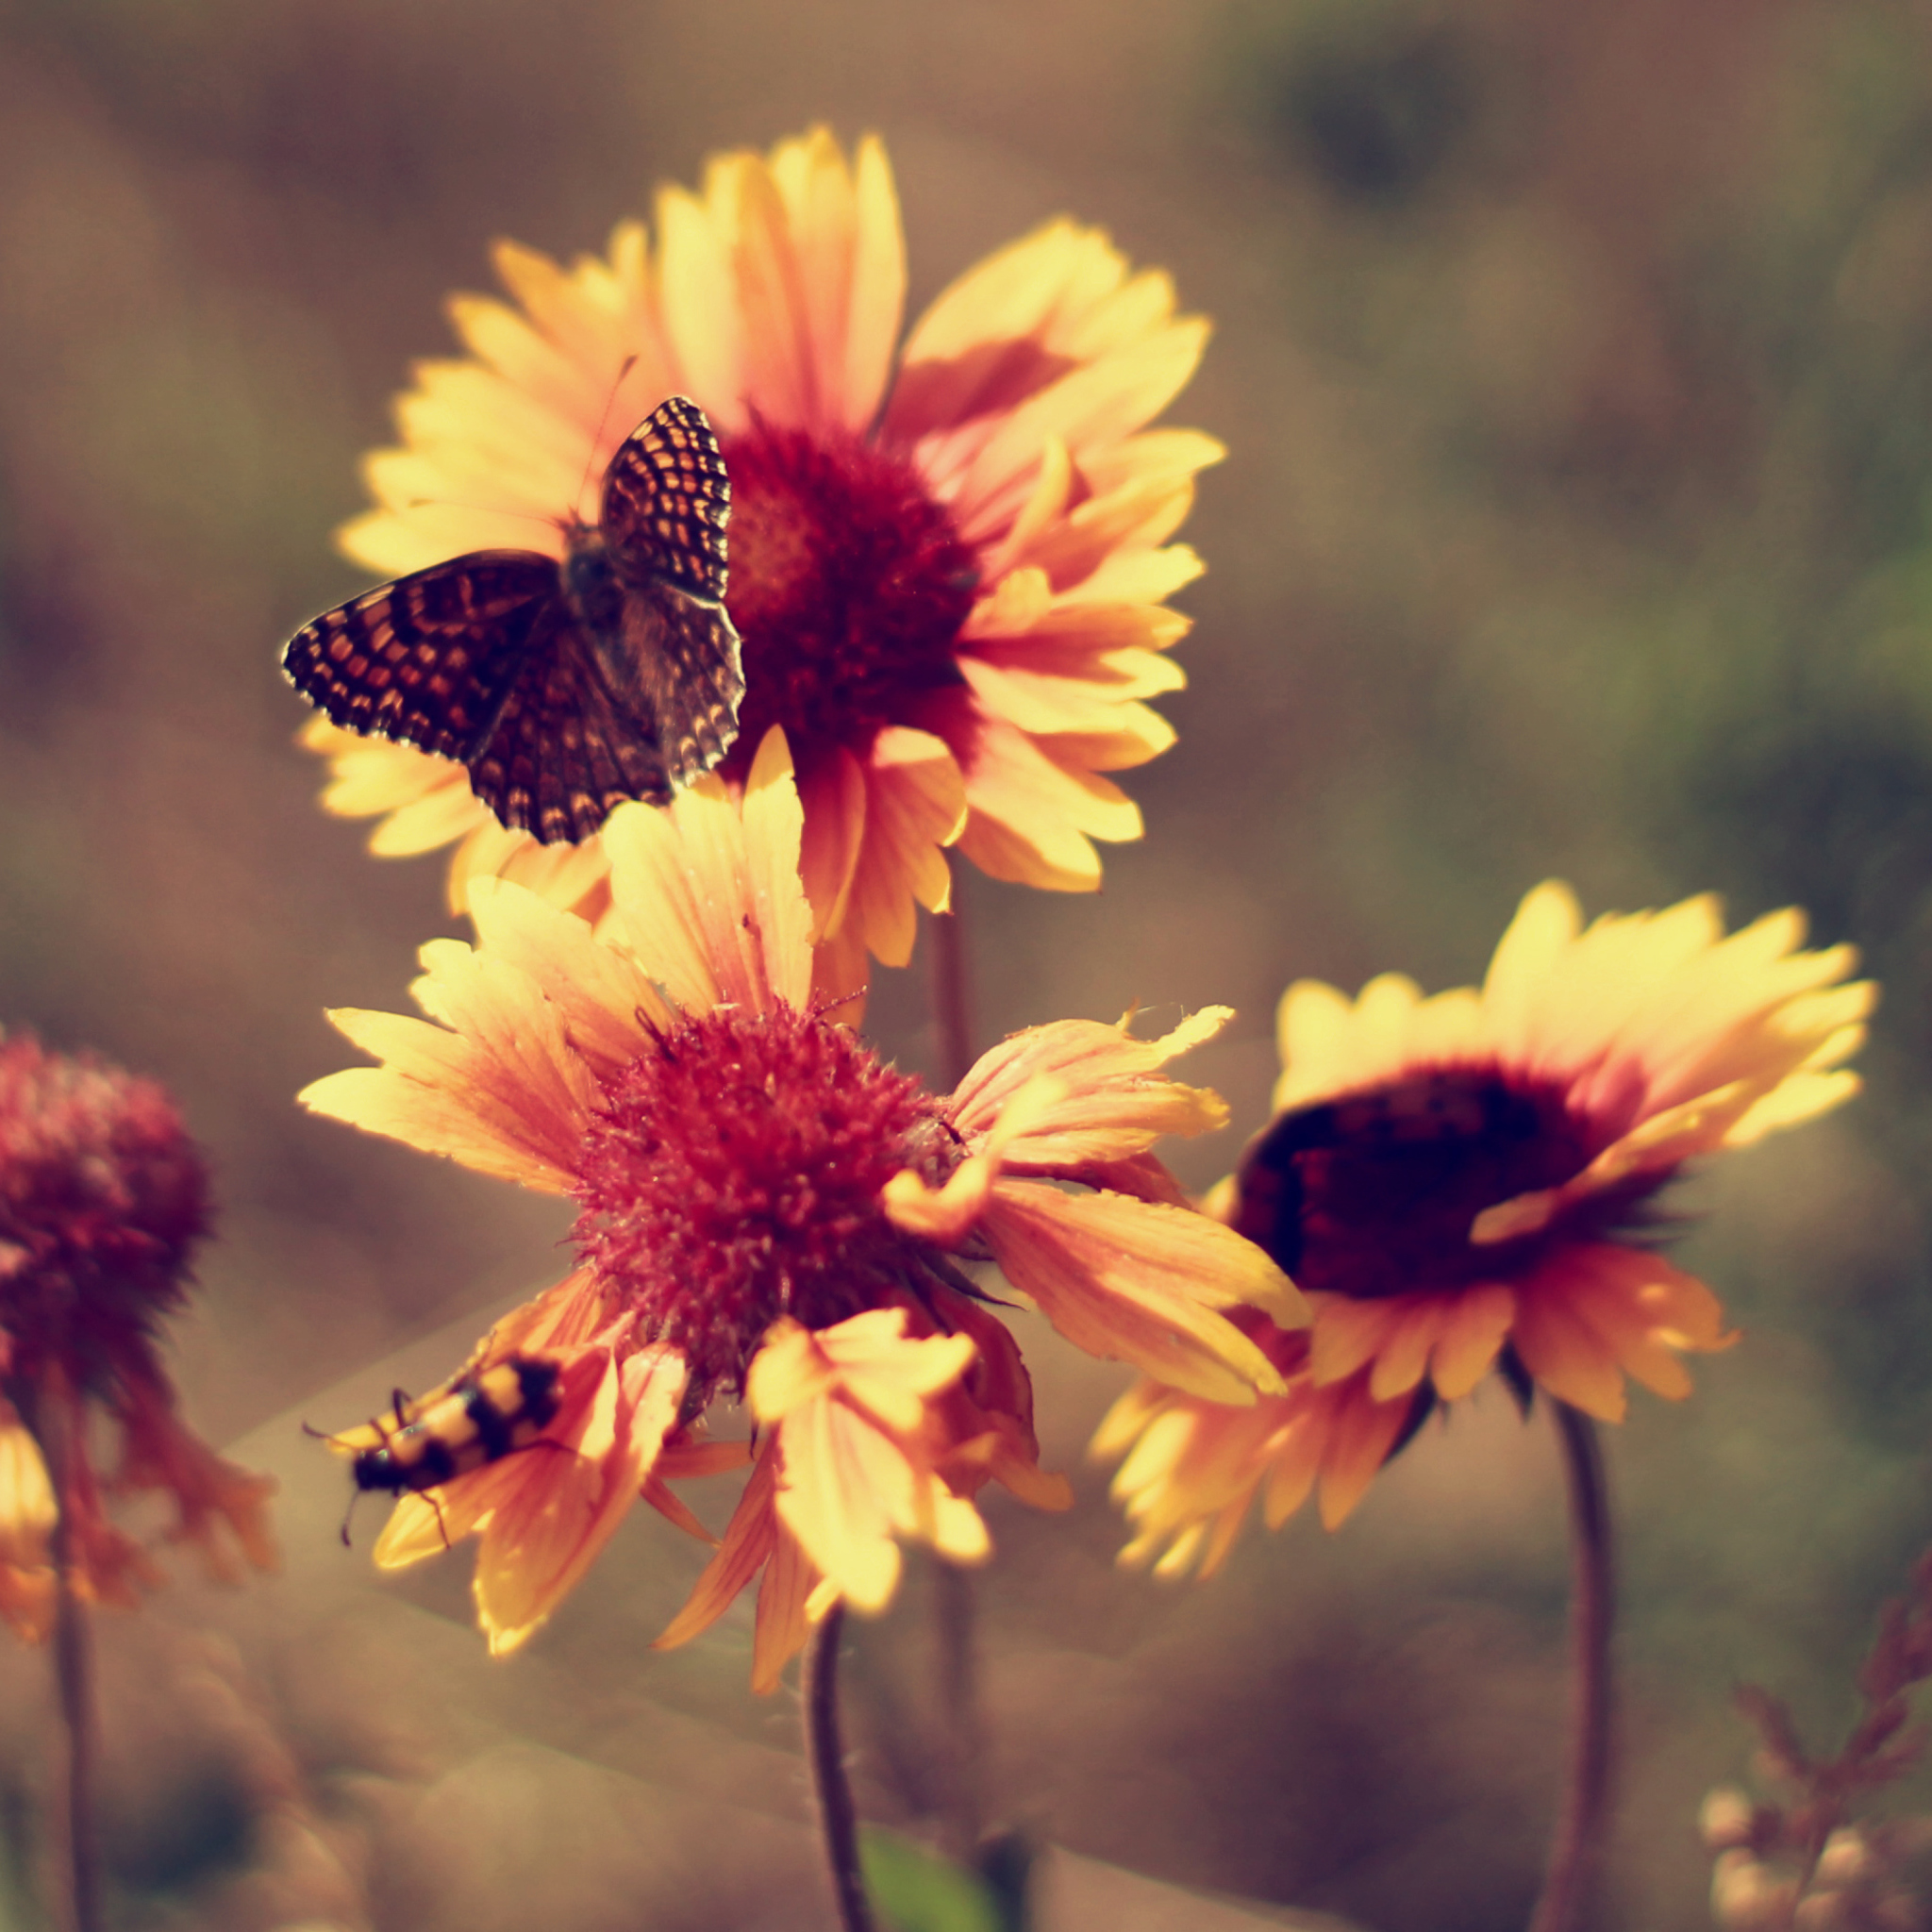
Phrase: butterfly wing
(681, 656)
(565, 753)
(561, 703)
(431, 658)
(667, 500)
(666, 503)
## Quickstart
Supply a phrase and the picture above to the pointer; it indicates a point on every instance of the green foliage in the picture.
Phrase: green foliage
(914, 1889)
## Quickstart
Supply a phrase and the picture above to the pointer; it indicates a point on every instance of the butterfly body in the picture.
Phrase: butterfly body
(564, 685)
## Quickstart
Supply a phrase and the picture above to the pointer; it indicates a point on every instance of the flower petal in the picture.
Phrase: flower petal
(1115, 1101)
(915, 805)
(508, 1095)
(1130, 1281)
(598, 992)
(946, 1214)
(546, 1531)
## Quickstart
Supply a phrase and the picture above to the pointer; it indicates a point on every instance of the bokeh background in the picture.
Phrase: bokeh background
(1575, 365)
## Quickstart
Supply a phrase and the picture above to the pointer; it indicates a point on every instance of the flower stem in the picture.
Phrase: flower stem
(1576, 1853)
(956, 1623)
(952, 992)
(837, 1817)
(52, 1417)
(954, 1611)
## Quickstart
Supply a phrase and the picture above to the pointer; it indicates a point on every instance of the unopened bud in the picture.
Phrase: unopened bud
(1824, 1912)
(1724, 1818)
(1846, 1857)
(1746, 1897)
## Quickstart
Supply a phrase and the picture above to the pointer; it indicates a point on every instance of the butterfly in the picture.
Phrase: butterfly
(564, 685)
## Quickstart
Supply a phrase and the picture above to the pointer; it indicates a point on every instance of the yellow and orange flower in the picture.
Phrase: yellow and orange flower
(103, 1201)
(768, 1211)
(949, 557)
(1466, 1181)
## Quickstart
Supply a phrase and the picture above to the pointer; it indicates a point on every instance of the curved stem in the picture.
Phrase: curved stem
(1576, 1851)
(837, 1817)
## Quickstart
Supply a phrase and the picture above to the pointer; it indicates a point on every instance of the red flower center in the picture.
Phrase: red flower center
(733, 1176)
(848, 585)
(1373, 1193)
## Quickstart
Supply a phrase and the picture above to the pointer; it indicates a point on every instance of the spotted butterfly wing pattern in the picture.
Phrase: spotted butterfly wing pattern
(428, 660)
(568, 686)
(565, 753)
(666, 499)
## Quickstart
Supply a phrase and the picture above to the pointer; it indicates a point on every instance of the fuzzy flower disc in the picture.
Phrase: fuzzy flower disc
(848, 587)
(734, 1175)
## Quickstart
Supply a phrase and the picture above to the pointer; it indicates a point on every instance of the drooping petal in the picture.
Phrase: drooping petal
(548, 1527)
(747, 1543)
(849, 1404)
(915, 805)
(1130, 1280)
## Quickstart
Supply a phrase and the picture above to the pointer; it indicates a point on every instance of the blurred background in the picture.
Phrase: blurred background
(1575, 364)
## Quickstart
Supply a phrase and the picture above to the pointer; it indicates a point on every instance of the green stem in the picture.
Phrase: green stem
(837, 1816)
(1576, 1853)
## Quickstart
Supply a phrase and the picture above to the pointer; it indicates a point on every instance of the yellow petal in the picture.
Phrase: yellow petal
(540, 1541)
(1476, 1325)
(946, 1214)
(598, 992)
(1132, 1281)
(747, 1545)
(1114, 1100)
(915, 805)
(774, 831)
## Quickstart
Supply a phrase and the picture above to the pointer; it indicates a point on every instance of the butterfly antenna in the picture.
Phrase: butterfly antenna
(624, 369)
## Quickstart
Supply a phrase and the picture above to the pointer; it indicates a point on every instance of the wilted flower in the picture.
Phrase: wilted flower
(103, 1200)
